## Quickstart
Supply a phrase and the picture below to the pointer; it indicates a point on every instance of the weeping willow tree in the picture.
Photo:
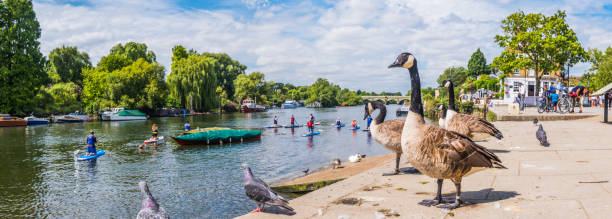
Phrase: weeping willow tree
(193, 81)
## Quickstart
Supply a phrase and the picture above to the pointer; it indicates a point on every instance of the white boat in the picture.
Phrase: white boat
(33, 120)
(289, 105)
(122, 114)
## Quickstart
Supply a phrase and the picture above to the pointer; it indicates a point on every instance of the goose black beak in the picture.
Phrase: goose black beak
(395, 65)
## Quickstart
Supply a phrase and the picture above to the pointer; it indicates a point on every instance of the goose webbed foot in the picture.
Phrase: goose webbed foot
(452, 206)
(395, 172)
(430, 203)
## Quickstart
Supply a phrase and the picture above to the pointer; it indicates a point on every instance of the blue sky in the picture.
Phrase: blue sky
(349, 42)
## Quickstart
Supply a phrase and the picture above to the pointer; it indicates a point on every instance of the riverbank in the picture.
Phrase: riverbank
(569, 179)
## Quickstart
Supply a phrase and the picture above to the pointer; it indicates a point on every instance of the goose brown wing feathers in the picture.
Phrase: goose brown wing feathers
(392, 127)
(465, 124)
(451, 147)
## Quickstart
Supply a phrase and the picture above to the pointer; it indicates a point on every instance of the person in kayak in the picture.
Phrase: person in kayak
(369, 121)
(154, 131)
(338, 122)
(187, 127)
(91, 144)
(292, 120)
(275, 120)
(354, 124)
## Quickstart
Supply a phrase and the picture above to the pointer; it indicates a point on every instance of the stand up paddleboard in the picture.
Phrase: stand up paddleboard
(311, 134)
(272, 127)
(292, 126)
(153, 141)
(99, 153)
(354, 128)
(340, 126)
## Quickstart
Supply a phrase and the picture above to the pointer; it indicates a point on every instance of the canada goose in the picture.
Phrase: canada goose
(434, 151)
(462, 123)
(386, 133)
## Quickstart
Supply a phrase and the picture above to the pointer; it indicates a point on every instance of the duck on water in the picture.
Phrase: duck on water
(434, 151)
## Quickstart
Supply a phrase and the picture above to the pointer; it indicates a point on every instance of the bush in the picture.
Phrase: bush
(465, 107)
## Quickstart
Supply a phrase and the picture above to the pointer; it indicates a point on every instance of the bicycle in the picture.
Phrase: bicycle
(545, 104)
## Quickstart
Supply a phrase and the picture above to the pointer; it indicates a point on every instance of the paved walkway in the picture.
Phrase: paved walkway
(570, 179)
(530, 112)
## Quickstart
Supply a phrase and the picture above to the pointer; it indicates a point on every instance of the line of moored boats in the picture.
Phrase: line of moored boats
(115, 114)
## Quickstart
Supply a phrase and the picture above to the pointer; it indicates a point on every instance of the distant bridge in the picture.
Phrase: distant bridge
(386, 98)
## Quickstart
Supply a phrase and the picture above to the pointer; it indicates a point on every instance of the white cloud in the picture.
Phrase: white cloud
(350, 43)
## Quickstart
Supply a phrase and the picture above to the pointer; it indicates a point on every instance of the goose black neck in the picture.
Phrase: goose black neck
(451, 97)
(416, 105)
(383, 112)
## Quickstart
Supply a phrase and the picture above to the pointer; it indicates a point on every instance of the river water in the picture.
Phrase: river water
(39, 177)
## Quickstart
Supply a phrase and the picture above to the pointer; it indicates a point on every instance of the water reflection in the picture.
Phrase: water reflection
(39, 177)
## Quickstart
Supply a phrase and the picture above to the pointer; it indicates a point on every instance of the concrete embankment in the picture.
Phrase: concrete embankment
(570, 179)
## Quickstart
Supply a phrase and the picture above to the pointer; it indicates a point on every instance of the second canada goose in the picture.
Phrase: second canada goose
(434, 151)
(462, 123)
(387, 133)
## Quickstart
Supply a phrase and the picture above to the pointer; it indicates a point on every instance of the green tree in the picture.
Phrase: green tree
(66, 64)
(95, 93)
(324, 92)
(140, 85)
(65, 97)
(228, 70)
(600, 73)
(253, 86)
(459, 74)
(477, 64)
(134, 51)
(484, 81)
(535, 41)
(21, 62)
(193, 82)
(113, 62)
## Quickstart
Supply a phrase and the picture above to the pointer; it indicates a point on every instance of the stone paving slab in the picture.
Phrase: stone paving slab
(570, 179)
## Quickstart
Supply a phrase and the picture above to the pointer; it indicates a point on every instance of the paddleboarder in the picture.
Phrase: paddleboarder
(91, 144)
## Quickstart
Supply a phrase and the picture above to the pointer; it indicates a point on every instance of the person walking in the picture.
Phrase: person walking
(521, 97)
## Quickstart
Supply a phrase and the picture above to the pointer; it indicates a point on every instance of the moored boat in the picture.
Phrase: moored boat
(84, 117)
(122, 114)
(67, 119)
(33, 120)
(289, 104)
(10, 121)
(217, 136)
(249, 105)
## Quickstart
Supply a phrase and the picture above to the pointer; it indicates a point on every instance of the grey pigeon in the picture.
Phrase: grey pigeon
(149, 209)
(535, 120)
(258, 191)
(541, 135)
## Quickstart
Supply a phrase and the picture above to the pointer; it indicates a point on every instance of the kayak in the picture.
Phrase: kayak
(152, 141)
(340, 126)
(311, 134)
(99, 153)
(354, 128)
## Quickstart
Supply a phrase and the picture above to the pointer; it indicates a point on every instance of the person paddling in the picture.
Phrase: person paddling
(275, 120)
(292, 120)
(338, 122)
(154, 131)
(187, 127)
(369, 121)
(310, 126)
(91, 144)
(354, 124)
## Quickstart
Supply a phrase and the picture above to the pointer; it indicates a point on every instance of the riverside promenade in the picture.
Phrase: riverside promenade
(570, 179)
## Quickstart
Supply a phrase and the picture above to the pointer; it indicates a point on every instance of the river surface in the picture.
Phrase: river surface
(40, 178)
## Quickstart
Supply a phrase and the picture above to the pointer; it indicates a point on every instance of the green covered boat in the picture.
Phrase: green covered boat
(217, 136)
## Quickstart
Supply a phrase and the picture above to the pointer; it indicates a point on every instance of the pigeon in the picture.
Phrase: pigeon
(258, 191)
(336, 163)
(535, 120)
(306, 171)
(541, 135)
(149, 209)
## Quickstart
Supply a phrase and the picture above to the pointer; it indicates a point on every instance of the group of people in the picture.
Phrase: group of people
(552, 93)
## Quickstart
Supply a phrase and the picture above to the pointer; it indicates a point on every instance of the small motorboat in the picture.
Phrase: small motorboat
(33, 120)
(67, 119)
